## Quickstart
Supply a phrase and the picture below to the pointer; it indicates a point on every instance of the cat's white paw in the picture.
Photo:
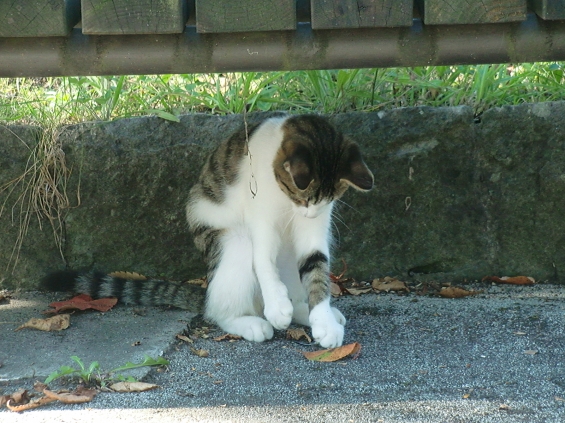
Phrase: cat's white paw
(279, 312)
(249, 327)
(340, 318)
(326, 330)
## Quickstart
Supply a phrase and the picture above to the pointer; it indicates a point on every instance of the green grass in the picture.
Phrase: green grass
(79, 99)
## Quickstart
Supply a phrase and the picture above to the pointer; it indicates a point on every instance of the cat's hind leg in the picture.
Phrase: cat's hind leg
(233, 299)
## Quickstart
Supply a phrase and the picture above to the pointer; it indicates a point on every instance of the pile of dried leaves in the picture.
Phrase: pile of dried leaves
(341, 285)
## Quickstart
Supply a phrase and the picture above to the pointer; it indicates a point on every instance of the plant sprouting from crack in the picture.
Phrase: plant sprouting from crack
(93, 375)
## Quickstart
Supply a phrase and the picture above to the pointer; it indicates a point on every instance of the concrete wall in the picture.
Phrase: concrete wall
(455, 197)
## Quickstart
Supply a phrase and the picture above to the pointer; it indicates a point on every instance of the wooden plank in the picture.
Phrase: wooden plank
(549, 9)
(133, 17)
(245, 15)
(438, 12)
(329, 14)
(38, 18)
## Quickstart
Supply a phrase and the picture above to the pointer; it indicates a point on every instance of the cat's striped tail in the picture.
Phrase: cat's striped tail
(148, 292)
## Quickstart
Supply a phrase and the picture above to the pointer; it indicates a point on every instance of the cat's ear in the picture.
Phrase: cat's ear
(354, 171)
(299, 167)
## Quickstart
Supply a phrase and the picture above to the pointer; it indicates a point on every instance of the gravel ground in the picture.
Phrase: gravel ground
(494, 357)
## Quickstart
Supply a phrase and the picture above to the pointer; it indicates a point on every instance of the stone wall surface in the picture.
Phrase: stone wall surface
(456, 197)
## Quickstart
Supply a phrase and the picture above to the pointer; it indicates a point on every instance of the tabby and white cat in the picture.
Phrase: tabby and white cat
(261, 214)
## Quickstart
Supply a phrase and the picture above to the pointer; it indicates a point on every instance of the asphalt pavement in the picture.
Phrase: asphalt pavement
(494, 357)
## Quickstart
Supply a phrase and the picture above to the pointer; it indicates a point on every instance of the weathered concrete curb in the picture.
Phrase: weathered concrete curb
(456, 197)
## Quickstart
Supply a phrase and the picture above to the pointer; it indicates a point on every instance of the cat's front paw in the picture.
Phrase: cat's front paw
(326, 330)
(279, 312)
(340, 318)
(251, 328)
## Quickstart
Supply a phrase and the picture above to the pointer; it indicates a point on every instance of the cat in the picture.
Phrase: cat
(261, 213)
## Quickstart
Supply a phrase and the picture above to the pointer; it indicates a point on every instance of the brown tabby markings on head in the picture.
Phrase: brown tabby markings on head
(315, 162)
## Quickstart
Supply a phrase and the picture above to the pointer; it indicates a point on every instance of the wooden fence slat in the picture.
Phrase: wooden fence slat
(245, 15)
(38, 18)
(549, 9)
(438, 12)
(330, 14)
(133, 17)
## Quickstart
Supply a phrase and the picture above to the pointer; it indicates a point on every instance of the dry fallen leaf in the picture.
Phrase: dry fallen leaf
(79, 396)
(130, 276)
(59, 322)
(200, 353)
(17, 398)
(185, 338)
(359, 291)
(132, 386)
(334, 354)
(514, 280)
(83, 302)
(38, 402)
(297, 334)
(228, 337)
(4, 399)
(455, 292)
(335, 289)
(389, 284)
(203, 282)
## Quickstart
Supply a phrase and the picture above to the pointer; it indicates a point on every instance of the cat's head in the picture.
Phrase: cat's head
(316, 164)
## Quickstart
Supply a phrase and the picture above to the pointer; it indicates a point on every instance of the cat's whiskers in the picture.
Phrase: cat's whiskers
(336, 216)
(293, 214)
(351, 207)
(338, 237)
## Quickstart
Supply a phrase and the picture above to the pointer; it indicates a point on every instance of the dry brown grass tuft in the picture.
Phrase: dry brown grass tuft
(41, 190)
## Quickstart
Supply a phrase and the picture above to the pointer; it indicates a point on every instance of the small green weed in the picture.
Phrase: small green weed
(93, 374)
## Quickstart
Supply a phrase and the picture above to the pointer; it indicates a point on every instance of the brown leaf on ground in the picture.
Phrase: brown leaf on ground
(297, 334)
(184, 338)
(334, 354)
(17, 398)
(133, 386)
(83, 302)
(200, 353)
(389, 284)
(513, 280)
(359, 291)
(455, 292)
(203, 282)
(131, 276)
(39, 386)
(30, 405)
(227, 337)
(4, 399)
(339, 278)
(79, 396)
(55, 323)
(335, 289)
